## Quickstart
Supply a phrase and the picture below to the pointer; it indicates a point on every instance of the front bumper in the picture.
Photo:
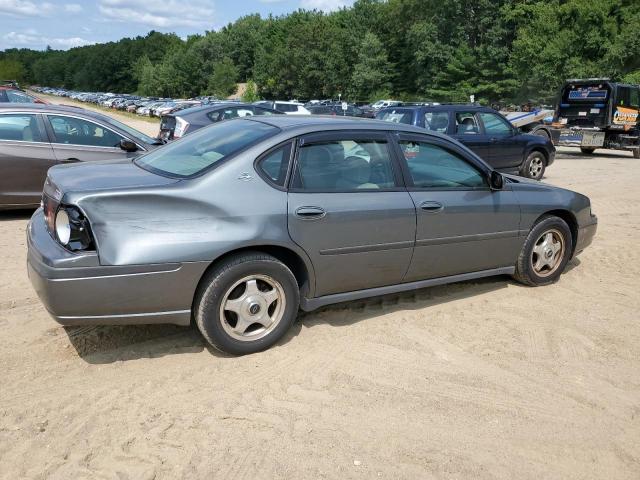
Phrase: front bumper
(76, 290)
(586, 233)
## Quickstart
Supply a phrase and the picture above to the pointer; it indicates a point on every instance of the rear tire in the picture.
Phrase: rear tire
(545, 252)
(247, 303)
(534, 166)
(636, 152)
(541, 132)
(587, 150)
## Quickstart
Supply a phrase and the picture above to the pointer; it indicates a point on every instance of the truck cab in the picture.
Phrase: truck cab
(597, 113)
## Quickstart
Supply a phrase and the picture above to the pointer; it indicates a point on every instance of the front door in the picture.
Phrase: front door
(507, 148)
(25, 157)
(467, 130)
(77, 139)
(462, 225)
(347, 210)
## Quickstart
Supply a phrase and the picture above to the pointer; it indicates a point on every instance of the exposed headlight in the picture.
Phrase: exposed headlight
(63, 227)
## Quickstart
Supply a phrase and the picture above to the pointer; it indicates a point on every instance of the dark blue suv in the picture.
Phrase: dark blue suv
(485, 131)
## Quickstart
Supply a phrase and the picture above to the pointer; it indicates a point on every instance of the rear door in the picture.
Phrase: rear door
(506, 149)
(25, 157)
(462, 225)
(348, 210)
(466, 128)
(76, 139)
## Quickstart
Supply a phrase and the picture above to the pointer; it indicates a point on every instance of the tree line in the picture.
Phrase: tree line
(497, 50)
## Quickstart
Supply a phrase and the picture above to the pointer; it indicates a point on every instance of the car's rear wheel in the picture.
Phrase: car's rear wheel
(587, 150)
(545, 252)
(636, 152)
(534, 166)
(247, 303)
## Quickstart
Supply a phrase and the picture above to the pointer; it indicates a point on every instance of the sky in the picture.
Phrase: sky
(64, 24)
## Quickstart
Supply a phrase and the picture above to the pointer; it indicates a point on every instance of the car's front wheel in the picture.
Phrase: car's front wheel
(247, 303)
(534, 166)
(545, 252)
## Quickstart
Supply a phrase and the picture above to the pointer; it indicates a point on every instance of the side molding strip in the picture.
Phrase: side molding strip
(309, 304)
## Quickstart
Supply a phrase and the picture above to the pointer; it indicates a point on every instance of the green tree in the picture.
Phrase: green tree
(250, 94)
(222, 81)
(371, 75)
(12, 70)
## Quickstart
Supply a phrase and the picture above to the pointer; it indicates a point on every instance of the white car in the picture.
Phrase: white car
(290, 108)
(380, 104)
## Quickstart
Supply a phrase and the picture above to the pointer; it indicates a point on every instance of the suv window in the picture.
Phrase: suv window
(344, 165)
(436, 121)
(396, 116)
(286, 107)
(494, 124)
(274, 164)
(78, 131)
(466, 123)
(20, 126)
(432, 166)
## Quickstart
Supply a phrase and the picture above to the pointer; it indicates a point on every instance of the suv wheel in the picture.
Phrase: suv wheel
(545, 253)
(587, 150)
(247, 303)
(534, 166)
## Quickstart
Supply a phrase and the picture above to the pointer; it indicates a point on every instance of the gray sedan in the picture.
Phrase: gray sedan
(242, 223)
(35, 137)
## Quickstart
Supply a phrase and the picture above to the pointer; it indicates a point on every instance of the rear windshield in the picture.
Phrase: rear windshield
(396, 115)
(205, 148)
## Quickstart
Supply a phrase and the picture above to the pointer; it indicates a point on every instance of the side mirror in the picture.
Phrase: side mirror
(496, 180)
(127, 145)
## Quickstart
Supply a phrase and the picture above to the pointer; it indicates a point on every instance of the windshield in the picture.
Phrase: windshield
(131, 131)
(205, 148)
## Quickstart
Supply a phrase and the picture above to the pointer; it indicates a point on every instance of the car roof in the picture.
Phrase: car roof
(313, 123)
(210, 107)
(52, 108)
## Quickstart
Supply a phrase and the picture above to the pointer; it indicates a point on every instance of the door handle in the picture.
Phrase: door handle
(69, 160)
(431, 207)
(310, 213)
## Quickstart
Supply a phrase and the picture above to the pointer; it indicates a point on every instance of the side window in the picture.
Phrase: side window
(495, 124)
(634, 100)
(623, 96)
(274, 164)
(466, 123)
(344, 165)
(436, 121)
(260, 111)
(237, 112)
(432, 166)
(15, 96)
(396, 116)
(215, 116)
(20, 126)
(77, 131)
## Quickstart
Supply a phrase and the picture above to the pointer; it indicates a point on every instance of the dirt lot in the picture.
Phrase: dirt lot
(479, 380)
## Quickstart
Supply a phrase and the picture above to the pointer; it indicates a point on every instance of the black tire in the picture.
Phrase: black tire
(525, 271)
(541, 132)
(218, 283)
(587, 150)
(534, 165)
(636, 152)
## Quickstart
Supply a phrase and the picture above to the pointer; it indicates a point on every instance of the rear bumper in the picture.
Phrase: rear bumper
(586, 234)
(77, 290)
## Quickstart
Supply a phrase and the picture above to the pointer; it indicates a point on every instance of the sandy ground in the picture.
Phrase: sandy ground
(478, 380)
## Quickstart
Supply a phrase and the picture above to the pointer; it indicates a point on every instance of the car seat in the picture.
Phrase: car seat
(467, 126)
(317, 169)
(30, 132)
(355, 173)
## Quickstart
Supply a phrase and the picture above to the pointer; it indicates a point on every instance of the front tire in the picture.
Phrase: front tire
(247, 303)
(587, 150)
(534, 166)
(545, 252)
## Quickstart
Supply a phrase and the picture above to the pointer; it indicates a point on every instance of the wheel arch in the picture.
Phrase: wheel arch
(571, 221)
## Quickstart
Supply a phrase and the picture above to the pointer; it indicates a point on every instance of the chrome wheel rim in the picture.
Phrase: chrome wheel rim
(535, 167)
(252, 308)
(547, 253)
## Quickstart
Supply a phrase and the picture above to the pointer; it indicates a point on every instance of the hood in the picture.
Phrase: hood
(103, 175)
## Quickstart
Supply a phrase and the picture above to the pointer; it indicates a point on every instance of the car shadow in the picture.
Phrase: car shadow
(578, 155)
(10, 215)
(108, 344)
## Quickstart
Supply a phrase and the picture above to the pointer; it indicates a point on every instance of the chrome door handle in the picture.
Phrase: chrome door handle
(431, 207)
(310, 213)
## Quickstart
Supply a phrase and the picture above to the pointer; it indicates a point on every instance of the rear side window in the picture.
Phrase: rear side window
(466, 123)
(432, 166)
(21, 127)
(396, 116)
(436, 121)
(274, 164)
(344, 165)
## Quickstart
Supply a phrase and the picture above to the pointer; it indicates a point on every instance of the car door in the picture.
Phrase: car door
(466, 129)
(348, 211)
(76, 139)
(506, 150)
(25, 157)
(462, 225)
